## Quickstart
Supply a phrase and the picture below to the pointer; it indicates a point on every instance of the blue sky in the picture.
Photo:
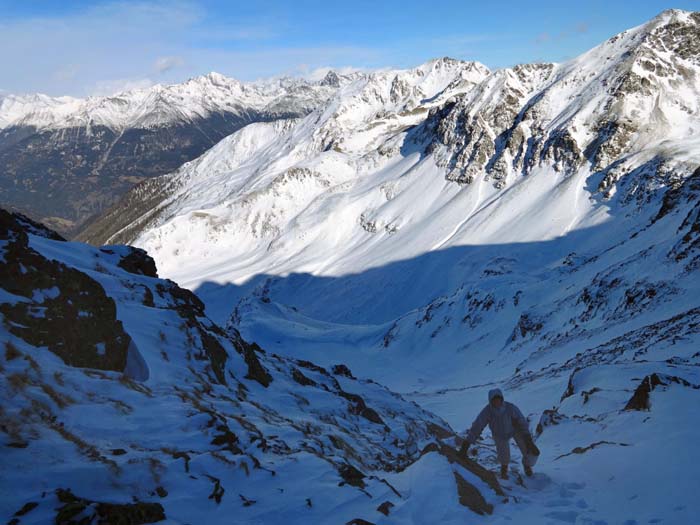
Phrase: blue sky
(80, 48)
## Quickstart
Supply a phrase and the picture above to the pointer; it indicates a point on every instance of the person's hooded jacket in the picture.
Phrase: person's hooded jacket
(504, 422)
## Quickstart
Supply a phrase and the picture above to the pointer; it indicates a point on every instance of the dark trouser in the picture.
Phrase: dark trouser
(503, 449)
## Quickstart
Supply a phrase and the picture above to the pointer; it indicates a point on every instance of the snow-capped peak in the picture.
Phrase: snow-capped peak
(160, 104)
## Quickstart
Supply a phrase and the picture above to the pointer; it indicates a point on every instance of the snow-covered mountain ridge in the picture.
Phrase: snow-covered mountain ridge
(65, 159)
(366, 110)
(161, 105)
(390, 147)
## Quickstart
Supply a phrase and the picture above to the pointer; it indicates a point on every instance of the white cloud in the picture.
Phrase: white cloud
(164, 64)
(109, 47)
(102, 44)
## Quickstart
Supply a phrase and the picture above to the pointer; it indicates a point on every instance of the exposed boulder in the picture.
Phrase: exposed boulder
(139, 262)
(351, 476)
(640, 398)
(385, 507)
(342, 370)
(469, 496)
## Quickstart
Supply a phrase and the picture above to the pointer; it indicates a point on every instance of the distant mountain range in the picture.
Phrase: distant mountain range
(65, 159)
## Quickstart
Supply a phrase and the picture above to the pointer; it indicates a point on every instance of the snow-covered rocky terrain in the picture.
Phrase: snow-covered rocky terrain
(66, 159)
(444, 230)
(123, 403)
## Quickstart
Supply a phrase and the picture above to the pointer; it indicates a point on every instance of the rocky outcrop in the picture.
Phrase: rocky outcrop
(57, 306)
(566, 116)
(640, 398)
(75, 510)
(137, 261)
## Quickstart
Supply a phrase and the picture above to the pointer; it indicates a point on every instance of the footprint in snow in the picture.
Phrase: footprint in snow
(574, 486)
(538, 481)
(566, 516)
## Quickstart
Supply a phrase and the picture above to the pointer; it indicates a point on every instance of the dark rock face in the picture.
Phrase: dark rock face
(35, 228)
(58, 306)
(256, 371)
(351, 476)
(139, 262)
(549, 418)
(453, 456)
(63, 177)
(686, 194)
(191, 309)
(385, 508)
(342, 370)
(137, 208)
(359, 407)
(26, 508)
(73, 508)
(469, 496)
(640, 398)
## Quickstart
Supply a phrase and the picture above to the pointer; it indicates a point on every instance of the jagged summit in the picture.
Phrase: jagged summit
(216, 78)
(331, 79)
(640, 82)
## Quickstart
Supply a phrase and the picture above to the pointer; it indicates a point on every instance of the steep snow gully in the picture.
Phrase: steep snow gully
(362, 276)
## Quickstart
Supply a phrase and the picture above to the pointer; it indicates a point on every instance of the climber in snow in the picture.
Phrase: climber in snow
(506, 421)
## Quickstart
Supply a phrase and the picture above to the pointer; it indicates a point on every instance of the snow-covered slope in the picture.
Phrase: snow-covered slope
(66, 159)
(445, 229)
(403, 163)
(121, 400)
